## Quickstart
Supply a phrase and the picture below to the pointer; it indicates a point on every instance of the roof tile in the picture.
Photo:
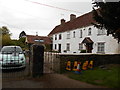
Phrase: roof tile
(32, 38)
(79, 22)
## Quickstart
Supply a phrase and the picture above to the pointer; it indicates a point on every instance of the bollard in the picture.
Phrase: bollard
(37, 60)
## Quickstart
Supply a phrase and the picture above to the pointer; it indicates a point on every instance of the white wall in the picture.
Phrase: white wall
(111, 45)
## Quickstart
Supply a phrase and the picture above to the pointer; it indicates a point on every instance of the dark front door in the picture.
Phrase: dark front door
(89, 47)
(59, 47)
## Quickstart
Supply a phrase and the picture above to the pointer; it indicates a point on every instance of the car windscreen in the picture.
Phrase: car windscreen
(11, 50)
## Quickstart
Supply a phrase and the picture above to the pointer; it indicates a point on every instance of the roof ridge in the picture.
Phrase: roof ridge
(79, 22)
(35, 35)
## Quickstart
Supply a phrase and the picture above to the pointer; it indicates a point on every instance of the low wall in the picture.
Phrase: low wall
(98, 59)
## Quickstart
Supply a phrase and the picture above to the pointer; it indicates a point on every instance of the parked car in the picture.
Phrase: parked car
(12, 57)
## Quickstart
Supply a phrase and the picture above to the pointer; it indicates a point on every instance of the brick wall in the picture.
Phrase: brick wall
(98, 59)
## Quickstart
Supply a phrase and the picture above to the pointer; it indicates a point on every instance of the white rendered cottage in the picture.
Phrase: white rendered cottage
(79, 34)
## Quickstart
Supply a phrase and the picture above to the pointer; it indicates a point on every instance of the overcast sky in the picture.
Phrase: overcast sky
(39, 16)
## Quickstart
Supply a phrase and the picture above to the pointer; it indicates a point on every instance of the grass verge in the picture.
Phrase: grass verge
(106, 77)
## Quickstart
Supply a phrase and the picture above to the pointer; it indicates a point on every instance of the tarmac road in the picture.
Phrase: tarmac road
(48, 81)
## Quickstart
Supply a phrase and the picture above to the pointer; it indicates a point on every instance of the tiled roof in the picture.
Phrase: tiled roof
(79, 22)
(31, 39)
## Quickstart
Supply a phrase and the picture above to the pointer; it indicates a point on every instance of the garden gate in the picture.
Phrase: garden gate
(51, 62)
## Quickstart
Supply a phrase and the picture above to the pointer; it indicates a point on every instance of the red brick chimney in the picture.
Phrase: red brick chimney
(62, 21)
(72, 17)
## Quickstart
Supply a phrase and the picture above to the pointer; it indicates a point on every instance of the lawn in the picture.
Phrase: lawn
(105, 77)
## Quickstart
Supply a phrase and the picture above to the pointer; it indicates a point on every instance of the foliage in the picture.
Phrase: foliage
(47, 47)
(5, 36)
(6, 40)
(20, 42)
(83, 51)
(106, 77)
(22, 39)
(5, 30)
(107, 15)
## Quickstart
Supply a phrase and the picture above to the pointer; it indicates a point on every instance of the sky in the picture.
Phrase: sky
(39, 16)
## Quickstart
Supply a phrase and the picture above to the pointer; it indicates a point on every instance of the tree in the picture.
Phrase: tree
(20, 42)
(5, 30)
(6, 40)
(5, 36)
(107, 15)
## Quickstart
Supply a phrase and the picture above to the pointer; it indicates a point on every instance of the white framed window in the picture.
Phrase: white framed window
(81, 33)
(60, 36)
(80, 46)
(101, 31)
(55, 46)
(74, 34)
(55, 37)
(89, 31)
(101, 47)
(68, 35)
(68, 46)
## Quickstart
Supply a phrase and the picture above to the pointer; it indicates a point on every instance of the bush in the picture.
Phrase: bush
(65, 51)
(83, 51)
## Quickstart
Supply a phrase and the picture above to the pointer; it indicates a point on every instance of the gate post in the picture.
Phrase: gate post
(37, 61)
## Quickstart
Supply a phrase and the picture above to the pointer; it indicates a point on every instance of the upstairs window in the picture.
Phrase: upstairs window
(74, 34)
(89, 31)
(68, 35)
(55, 37)
(101, 31)
(80, 33)
(60, 36)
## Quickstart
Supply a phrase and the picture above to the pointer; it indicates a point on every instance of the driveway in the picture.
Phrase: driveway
(0, 80)
(48, 81)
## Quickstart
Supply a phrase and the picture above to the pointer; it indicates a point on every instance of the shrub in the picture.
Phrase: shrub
(83, 51)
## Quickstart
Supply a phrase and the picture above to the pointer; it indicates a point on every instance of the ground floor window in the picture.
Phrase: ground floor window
(55, 46)
(80, 46)
(101, 47)
(68, 47)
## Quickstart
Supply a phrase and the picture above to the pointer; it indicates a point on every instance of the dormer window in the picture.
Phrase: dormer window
(89, 31)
